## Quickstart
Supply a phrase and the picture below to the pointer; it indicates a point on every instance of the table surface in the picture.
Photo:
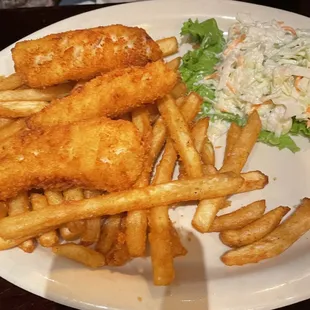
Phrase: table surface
(30, 20)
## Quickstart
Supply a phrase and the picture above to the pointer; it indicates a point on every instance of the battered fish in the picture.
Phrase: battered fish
(111, 95)
(82, 54)
(96, 154)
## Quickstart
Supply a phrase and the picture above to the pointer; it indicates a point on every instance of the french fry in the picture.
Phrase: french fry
(179, 133)
(179, 90)
(37, 222)
(56, 198)
(11, 82)
(108, 233)
(3, 209)
(253, 180)
(20, 205)
(164, 239)
(15, 109)
(6, 244)
(207, 152)
(76, 227)
(11, 129)
(199, 132)
(276, 242)
(92, 226)
(240, 152)
(50, 238)
(240, 217)
(168, 46)
(47, 94)
(236, 238)
(153, 112)
(174, 64)
(136, 221)
(118, 255)
(80, 254)
(233, 135)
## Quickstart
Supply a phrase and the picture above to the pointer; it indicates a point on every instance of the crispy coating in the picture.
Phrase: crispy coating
(82, 54)
(112, 94)
(96, 154)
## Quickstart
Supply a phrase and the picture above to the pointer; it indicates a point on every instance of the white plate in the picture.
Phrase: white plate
(202, 281)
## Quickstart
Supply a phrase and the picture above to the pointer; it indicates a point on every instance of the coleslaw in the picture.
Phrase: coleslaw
(261, 65)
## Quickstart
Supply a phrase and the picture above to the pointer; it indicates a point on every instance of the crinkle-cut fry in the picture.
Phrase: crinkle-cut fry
(236, 238)
(16, 109)
(46, 94)
(41, 221)
(3, 209)
(136, 221)
(20, 205)
(11, 129)
(179, 90)
(199, 132)
(49, 239)
(92, 226)
(168, 46)
(240, 152)
(80, 254)
(109, 230)
(164, 240)
(119, 255)
(76, 227)
(239, 218)
(11, 82)
(175, 63)
(56, 198)
(233, 135)
(276, 242)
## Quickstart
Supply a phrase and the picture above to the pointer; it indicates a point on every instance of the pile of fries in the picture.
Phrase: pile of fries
(99, 229)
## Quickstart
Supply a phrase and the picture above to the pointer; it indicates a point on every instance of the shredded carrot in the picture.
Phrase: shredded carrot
(308, 110)
(256, 106)
(231, 88)
(289, 29)
(308, 123)
(296, 83)
(233, 44)
(280, 22)
(218, 147)
(214, 75)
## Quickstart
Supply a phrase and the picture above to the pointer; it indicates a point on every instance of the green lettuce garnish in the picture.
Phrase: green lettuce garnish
(299, 128)
(281, 142)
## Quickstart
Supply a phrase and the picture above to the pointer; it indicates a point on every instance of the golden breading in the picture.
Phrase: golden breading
(82, 54)
(112, 95)
(96, 154)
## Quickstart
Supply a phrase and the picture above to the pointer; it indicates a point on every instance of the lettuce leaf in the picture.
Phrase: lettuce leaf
(299, 128)
(282, 142)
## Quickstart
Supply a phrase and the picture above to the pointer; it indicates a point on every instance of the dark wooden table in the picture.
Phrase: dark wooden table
(14, 25)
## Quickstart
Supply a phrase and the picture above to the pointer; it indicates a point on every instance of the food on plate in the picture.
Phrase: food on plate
(37, 222)
(20, 205)
(236, 159)
(236, 238)
(80, 254)
(11, 129)
(175, 63)
(48, 239)
(82, 54)
(136, 221)
(260, 66)
(199, 133)
(233, 135)
(239, 218)
(96, 154)
(168, 46)
(276, 242)
(11, 82)
(15, 109)
(253, 180)
(112, 94)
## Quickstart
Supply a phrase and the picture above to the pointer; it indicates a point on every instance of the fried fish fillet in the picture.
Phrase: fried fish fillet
(95, 154)
(111, 95)
(82, 54)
